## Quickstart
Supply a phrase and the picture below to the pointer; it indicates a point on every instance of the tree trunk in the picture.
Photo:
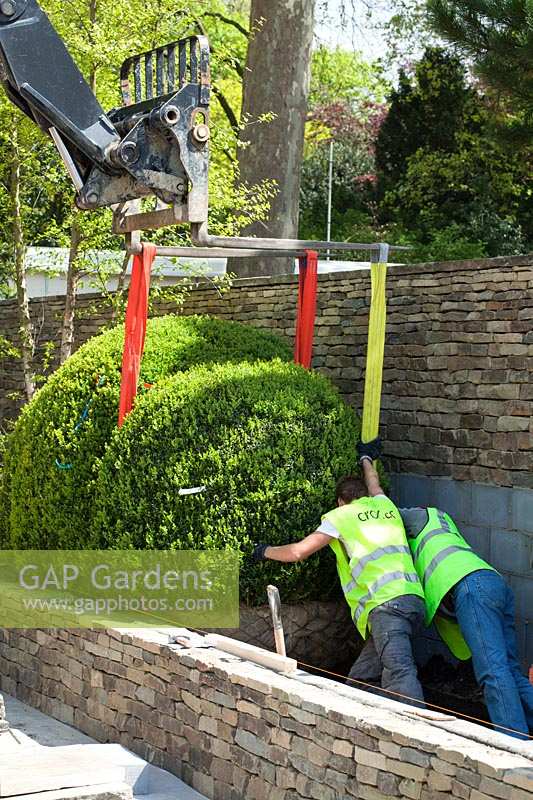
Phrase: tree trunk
(93, 9)
(67, 328)
(25, 326)
(276, 81)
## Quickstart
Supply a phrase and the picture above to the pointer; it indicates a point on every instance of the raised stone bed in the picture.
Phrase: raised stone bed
(235, 730)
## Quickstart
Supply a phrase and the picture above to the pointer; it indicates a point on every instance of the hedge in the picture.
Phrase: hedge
(268, 441)
(266, 438)
(50, 466)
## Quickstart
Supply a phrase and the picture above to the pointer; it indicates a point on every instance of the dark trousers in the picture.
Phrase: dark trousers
(387, 657)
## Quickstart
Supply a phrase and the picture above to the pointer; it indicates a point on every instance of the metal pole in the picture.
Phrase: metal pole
(330, 195)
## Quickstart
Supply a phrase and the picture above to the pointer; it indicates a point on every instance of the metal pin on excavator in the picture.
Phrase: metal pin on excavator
(155, 144)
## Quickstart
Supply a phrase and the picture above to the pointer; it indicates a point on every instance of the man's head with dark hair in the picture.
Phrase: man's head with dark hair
(350, 488)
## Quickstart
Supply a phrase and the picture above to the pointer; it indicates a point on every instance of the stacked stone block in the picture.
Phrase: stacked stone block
(458, 368)
(235, 730)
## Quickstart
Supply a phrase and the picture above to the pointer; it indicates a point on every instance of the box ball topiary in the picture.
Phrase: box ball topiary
(267, 440)
(50, 460)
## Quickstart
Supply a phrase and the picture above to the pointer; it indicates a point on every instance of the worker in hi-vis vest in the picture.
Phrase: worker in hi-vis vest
(377, 576)
(473, 610)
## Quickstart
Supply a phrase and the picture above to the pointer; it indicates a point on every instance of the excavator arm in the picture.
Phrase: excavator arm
(157, 143)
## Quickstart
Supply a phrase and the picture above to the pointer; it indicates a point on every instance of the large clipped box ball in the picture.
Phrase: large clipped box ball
(266, 438)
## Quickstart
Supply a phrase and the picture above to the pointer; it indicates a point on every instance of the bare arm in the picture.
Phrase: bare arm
(298, 551)
(371, 478)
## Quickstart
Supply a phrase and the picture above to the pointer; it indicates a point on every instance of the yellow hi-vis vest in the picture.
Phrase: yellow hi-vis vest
(373, 557)
(442, 558)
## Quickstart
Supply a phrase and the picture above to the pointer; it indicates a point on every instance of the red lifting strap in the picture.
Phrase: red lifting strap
(305, 319)
(135, 328)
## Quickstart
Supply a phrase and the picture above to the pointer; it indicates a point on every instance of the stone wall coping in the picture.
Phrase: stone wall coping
(494, 754)
(430, 267)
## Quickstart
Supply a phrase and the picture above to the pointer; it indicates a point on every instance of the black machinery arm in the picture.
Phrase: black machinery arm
(42, 79)
(156, 144)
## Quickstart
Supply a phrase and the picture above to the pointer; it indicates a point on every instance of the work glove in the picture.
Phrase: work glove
(258, 553)
(370, 450)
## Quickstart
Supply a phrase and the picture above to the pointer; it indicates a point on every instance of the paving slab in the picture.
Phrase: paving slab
(49, 768)
(39, 754)
(119, 791)
(39, 727)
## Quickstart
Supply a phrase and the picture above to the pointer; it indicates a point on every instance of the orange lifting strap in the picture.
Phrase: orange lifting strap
(137, 317)
(306, 313)
(135, 328)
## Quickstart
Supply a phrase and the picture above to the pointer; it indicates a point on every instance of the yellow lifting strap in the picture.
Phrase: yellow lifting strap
(375, 351)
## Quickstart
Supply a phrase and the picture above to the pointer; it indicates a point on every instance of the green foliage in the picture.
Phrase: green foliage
(498, 38)
(442, 175)
(447, 244)
(268, 442)
(8, 349)
(352, 161)
(346, 106)
(339, 75)
(429, 172)
(427, 111)
(43, 502)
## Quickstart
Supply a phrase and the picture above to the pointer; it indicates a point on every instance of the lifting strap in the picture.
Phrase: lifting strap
(306, 313)
(375, 352)
(135, 328)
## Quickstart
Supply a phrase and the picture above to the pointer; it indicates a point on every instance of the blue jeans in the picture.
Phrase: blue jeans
(484, 605)
(387, 657)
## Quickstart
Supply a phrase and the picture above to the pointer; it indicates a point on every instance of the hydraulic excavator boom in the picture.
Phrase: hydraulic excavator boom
(155, 144)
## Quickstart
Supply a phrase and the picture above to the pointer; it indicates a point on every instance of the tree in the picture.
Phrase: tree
(28, 186)
(440, 167)
(276, 87)
(26, 335)
(346, 106)
(498, 38)
(427, 110)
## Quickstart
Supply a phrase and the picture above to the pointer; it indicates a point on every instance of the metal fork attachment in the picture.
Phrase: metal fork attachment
(156, 144)
(164, 130)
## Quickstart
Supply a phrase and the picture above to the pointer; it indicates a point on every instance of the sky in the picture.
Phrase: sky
(362, 35)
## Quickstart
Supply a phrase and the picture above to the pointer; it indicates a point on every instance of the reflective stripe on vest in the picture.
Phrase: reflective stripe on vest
(439, 558)
(374, 559)
(361, 564)
(389, 577)
(425, 538)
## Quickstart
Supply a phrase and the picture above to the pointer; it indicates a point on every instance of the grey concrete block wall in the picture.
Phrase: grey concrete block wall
(497, 521)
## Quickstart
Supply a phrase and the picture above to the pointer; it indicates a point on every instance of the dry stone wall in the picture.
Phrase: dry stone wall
(458, 367)
(235, 730)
